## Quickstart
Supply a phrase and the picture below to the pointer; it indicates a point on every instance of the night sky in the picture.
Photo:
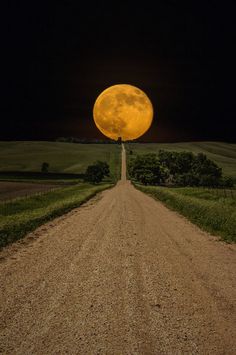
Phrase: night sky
(58, 57)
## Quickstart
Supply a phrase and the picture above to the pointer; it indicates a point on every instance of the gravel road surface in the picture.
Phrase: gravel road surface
(120, 275)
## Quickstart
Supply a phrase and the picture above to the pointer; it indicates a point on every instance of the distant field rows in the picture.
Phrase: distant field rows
(224, 154)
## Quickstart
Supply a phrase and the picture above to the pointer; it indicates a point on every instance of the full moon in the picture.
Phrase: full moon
(123, 111)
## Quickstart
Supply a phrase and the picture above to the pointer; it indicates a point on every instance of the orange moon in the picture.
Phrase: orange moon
(123, 111)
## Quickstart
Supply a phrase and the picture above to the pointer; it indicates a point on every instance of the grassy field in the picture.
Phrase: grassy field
(208, 209)
(23, 215)
(21, 161)
(68, 158)
(214, 213)
(224, 154)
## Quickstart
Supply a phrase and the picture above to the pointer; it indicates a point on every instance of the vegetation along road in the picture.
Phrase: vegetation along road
(120, 275)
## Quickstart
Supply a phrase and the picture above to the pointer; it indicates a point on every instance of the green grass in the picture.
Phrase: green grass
(208, 209)
(21, 161)
(23, 215)
(224, 154)
(69, 158)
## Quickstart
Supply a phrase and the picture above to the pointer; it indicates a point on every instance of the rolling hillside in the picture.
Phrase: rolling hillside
(74, 158)
(62, 157)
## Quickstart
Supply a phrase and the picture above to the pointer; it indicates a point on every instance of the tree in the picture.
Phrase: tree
(44, 167)
(227, 182)
(176, 168)
(187, 169)
(93, 174)
(96, 172)
(146, 177)
(176, 162)
(207, 171)
(104, 166)
(186, 179)
(147, 169)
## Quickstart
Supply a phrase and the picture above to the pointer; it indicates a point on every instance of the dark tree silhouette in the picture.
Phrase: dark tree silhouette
(176, 168)
(44, 167)
(96, 172)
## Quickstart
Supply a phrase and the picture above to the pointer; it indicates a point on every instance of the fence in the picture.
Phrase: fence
(7, 205)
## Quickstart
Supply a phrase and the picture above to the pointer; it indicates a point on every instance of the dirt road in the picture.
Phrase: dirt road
(120, 275)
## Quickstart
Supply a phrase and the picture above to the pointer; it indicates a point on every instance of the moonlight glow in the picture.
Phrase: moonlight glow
(123, 111)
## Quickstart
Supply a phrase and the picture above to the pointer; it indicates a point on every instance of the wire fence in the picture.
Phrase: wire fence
(7, 205)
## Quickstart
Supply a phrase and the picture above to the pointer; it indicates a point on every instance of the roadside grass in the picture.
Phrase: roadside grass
(224, 154)
(23, 215)
(207, 209)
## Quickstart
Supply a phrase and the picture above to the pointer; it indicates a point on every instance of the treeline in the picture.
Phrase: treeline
(85, 140)
(172, 168)
(92, 140)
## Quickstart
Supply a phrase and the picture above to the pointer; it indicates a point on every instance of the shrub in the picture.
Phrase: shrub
(227, 181)
(104, 167)
(147, 169)
(176, 168)
(44, 167)
(208, 173)
(96, 172)
(176, 163)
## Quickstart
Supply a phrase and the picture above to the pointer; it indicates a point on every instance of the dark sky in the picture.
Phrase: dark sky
(58, 57)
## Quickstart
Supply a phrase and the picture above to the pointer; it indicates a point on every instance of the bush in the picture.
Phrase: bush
(147, 169)
(227, 181)
(208, 173)
(96, 172)
(104, 167)
(176, 163)
(44, 167)
(176, 168)
(186, 179)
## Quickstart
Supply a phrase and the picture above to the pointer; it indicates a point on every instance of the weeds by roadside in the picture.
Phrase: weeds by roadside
(213, 213)
(21, 216)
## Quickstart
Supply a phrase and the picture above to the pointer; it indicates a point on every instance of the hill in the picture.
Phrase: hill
(73, 158)
(27, 156)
